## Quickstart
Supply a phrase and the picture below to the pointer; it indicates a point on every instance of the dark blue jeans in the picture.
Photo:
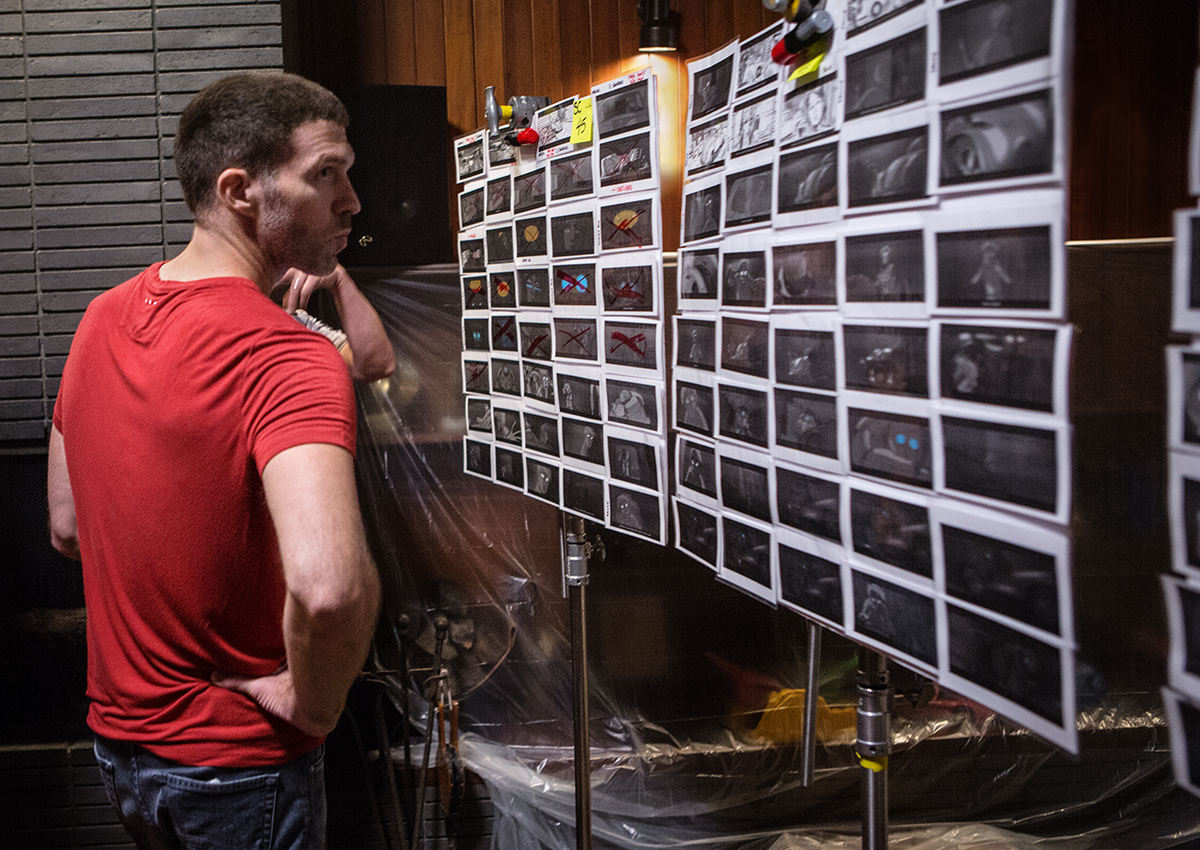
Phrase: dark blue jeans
(168, 806)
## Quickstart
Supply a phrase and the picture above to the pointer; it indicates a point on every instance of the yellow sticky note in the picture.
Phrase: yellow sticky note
(581, 121)
(809, 67)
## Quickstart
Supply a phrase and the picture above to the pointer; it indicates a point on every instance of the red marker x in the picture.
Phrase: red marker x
(529, 190)
(478, 370)
(568, 282)
(624, 222)
(504, 331)
(475, 289)
(536, 347)
(574, 338)
(629, 290)
(497, 199)
(623, 159)
(572, 166)
(635, 343)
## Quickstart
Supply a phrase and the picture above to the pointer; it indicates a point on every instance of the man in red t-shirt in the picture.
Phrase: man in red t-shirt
(201, 467)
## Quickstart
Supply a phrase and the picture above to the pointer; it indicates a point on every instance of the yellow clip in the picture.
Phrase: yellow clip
(581, 121)
(875, 766)
(809, 67)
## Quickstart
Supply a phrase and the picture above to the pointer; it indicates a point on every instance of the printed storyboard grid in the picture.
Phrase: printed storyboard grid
(870, 362)
(564, 361)
(1181, 589)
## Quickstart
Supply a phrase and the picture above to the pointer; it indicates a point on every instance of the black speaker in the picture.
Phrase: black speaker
(401, 150)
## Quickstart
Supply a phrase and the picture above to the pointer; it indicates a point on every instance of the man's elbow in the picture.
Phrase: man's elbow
(381, 365)
(65, 542)
(348, 598)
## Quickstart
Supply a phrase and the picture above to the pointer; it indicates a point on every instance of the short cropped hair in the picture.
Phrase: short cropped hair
(245, 121)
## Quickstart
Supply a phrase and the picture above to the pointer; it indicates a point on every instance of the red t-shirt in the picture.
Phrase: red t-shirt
(173, 399)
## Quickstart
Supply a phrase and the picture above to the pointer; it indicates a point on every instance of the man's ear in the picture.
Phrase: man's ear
(238, 192)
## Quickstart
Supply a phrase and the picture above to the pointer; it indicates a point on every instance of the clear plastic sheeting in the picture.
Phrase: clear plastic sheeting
(685, 672)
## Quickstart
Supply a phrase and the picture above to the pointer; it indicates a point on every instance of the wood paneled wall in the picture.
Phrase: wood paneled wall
(551, 48)
(1130, 113)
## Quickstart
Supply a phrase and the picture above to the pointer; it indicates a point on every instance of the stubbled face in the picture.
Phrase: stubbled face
(308, 201)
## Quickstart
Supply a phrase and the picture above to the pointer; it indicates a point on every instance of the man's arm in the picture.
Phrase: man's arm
(332, 587)
(64, 535)
(373, 357)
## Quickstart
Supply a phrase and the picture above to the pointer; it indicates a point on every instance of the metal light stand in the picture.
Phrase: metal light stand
(576, 551)
(875, 699)
(809, 733)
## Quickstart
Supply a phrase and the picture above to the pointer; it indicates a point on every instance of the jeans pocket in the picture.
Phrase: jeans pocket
(235, 813)
(108, 775)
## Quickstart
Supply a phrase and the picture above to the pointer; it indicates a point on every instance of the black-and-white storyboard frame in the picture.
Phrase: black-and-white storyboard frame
(749, 189)
(861, 18)
(584, 495)
(477, 458)
(696, 476)
(695, 340)
(469, 159)
(886, 70)
(803, 269)
(707, 145)
(1183, 620)
(635, 403)
(806, 351)
(1183, 723)
(710, 83)
(698, 532)
(1002, 256)
(574, 231)
(694, 405)
(703, 208)
(625, 104)
(755, 68)
(748, 557)
(747, 486)
(1183, 398)
(543, 479)
(997, 44)
(744, 273)
(1006, 459)
(890, 529)
(810, 502)
(580, 391)
(888, 357)
(1011, 569)
(1183, 503)
(1013, 670)
(1021, 365)
(888, 162)
(809, 112)
(553, 124)
(500, 154)
(808, 187)
(697, 277)
(1001, 141)
(637, 512)
(571, 177)
(583, 444)
(471, 205)
(627, 163)
(885, 271)
(888, 438)
(894, 615)
(810, 578)
(1186, 272)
